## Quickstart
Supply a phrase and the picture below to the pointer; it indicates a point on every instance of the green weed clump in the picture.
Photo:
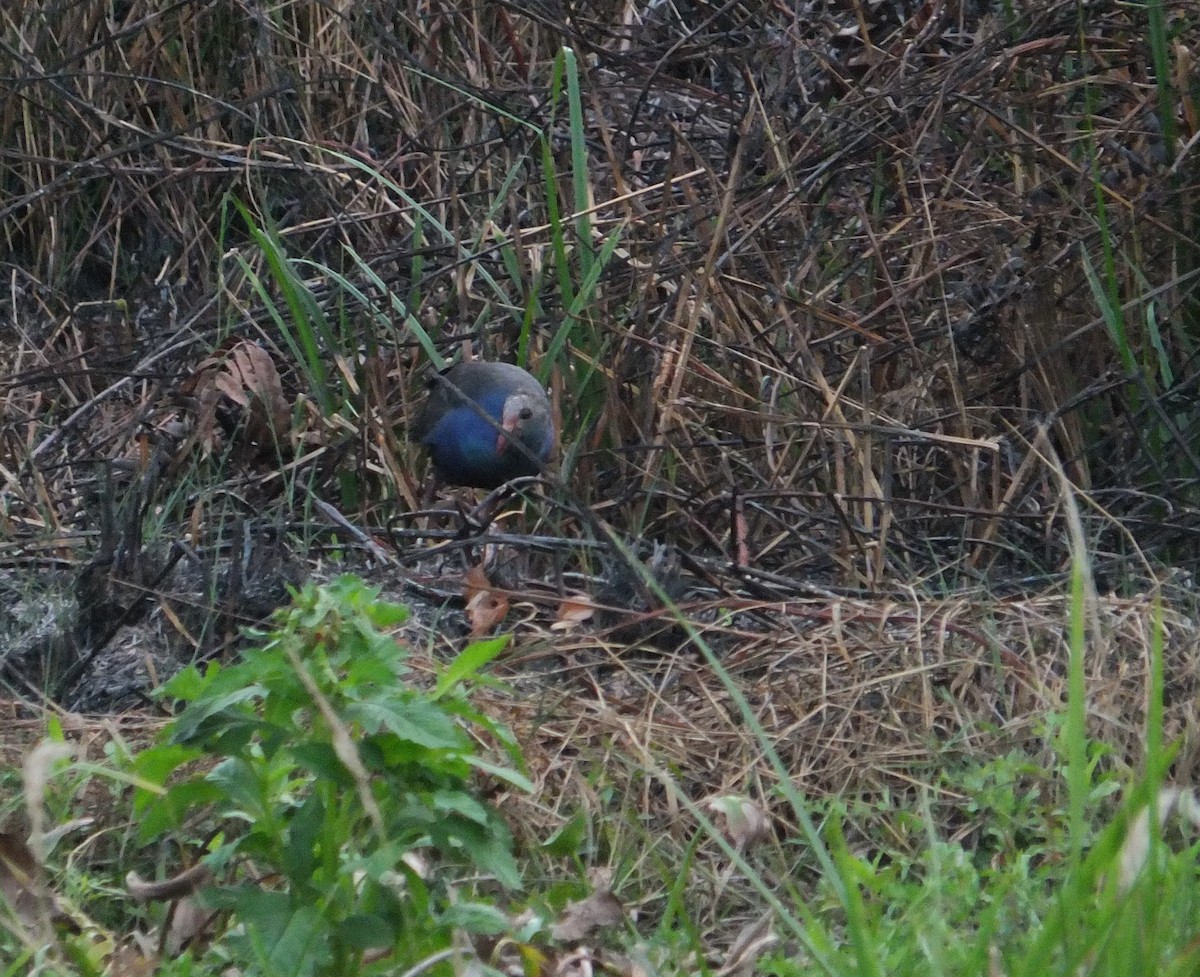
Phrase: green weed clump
(340, 810)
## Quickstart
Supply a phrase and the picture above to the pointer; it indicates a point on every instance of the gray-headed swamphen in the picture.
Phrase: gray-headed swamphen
(485, 424)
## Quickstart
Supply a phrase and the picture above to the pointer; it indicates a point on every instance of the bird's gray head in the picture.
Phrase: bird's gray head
(524, 420)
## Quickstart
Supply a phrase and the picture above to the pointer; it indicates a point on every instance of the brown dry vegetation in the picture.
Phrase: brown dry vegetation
(845, 358)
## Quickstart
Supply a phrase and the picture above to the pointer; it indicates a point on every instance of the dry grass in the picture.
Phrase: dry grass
(860, 699)
(847, 336)
(847, 295)
(884, 703)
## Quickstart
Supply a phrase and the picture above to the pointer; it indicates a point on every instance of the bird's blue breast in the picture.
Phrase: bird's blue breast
(463, 444)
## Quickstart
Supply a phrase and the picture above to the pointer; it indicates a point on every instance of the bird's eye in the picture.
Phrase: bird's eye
(526, 413)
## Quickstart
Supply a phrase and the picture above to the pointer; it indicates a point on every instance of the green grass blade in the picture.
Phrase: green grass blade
(300, 332)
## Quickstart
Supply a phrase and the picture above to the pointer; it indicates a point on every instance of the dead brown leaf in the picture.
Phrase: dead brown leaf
(184, 884)
(128, 960)
(573, 611)
(486, 606)
(475, 581)
(189, 921)
(751, 943)
(1171, 803)
(581, 918)
(242, 375)
(746, 824)
(21, 885)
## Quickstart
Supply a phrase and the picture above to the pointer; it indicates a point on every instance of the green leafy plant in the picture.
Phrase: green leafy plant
(331, 773)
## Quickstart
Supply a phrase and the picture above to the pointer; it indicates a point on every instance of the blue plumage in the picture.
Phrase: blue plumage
(486, 423)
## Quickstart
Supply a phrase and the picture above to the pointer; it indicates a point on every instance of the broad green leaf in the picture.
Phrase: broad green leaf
(468, 662)
(415, 720)
(364, 932)
(475, 917)
(568, 840)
